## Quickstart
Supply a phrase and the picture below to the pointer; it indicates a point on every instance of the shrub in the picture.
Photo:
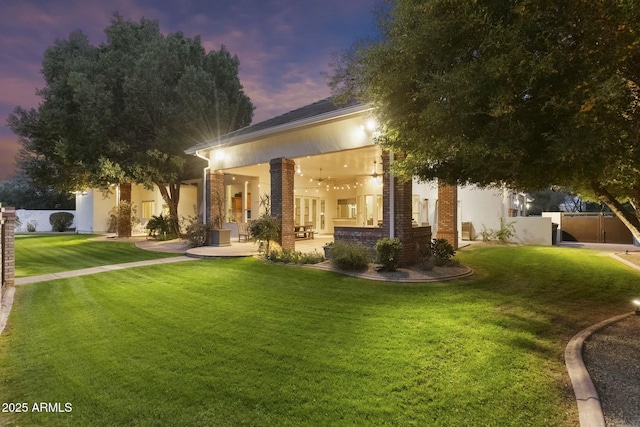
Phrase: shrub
(160, 227)
(506, 232)
(31, 225)
(388, 251)
(442, 251)
(60, 221)
(294, 257)
(196, 231)
(122, 218)
(349, 256)
(264, 230)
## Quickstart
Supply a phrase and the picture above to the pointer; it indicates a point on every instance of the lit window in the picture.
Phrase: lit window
(148, 208)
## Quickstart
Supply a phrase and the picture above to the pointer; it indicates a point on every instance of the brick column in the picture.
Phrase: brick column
(402, 199)
(282, 181)
(124, 211)
(448, 213)
(215, 195)
(7, 246)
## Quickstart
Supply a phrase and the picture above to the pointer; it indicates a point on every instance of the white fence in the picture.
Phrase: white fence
(38, 220)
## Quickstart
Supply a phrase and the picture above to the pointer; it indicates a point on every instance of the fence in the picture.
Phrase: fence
(38, 220)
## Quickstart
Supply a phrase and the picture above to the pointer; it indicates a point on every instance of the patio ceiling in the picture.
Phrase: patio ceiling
(337, 167)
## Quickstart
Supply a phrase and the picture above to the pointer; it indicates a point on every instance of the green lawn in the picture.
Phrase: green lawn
(51, 253)
(241, 342)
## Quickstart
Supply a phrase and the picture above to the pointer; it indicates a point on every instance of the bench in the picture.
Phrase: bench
(303, 231)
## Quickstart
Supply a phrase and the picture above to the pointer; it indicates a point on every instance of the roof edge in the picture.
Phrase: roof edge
(230, 140)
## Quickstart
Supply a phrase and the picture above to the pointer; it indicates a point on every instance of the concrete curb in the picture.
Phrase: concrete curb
(589, 407)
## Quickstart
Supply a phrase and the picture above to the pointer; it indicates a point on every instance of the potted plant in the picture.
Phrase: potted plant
(327, 250)
(220, 236)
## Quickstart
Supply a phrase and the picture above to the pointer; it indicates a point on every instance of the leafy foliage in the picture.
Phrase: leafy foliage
(265, 230)
(159, 226)
(123, 218)
(350, 256)
(388, 251)
(196, 231)
(442, 251)
(526, 93)
(21, 192)
(294, 257)
(60, 221)
(126, 110)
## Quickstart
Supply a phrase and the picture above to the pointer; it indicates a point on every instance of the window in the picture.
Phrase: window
(147, 209)
(347, 208)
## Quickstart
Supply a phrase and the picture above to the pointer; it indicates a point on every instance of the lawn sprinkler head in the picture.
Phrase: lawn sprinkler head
(637, 304)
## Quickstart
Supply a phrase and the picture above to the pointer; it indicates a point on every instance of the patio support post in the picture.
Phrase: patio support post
(448, 213)
(124, 195)
(402, 197)
(215, 195)
(282, 181)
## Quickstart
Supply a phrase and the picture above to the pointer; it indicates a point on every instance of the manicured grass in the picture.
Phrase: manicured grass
(51, 253)
(241, 342)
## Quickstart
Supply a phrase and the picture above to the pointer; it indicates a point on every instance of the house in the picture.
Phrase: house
(320, 167)
(94, 206)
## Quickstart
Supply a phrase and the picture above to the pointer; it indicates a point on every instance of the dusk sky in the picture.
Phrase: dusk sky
(283, 45)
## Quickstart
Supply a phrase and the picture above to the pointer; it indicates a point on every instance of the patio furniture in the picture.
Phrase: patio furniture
(244, 232)
(303, 231)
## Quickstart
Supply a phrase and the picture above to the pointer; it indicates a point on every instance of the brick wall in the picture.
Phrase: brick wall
(124, 225)
(282, 183)
(365, 236)
(448, 213)
(7, 248)
(402, 220)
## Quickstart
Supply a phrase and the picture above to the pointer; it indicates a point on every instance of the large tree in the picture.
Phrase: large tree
(126, 110)
(525, 93)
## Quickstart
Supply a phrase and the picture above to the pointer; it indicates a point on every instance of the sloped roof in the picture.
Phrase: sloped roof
(318, 108)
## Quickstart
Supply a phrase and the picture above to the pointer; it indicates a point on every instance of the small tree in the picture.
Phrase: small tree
(265, 229)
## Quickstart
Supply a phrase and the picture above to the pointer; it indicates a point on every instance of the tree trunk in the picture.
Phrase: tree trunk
(630, 220)
(171, 195)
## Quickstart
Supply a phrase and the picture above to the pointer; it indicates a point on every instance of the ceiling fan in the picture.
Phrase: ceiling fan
(374, 171)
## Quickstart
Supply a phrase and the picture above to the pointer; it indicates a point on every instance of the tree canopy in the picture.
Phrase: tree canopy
(126, 110)
(523, 93)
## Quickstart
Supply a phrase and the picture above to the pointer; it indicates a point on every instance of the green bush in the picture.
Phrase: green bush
(196, 231)
(294, 257)
(264, 230)
(160, 227)
(442, 251)
(60, 221)
(349, 256)
(388, 251)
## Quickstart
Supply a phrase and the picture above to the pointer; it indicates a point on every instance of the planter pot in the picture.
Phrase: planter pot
(327, 252)
(221, 237)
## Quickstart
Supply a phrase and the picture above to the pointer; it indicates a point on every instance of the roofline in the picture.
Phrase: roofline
(230, 141)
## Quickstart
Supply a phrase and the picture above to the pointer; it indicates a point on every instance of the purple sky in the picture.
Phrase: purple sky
(283, 45)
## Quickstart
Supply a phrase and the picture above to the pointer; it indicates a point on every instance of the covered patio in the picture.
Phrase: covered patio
(318, 169)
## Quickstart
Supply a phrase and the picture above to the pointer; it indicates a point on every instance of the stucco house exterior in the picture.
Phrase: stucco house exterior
(93, 206)
(321, 168)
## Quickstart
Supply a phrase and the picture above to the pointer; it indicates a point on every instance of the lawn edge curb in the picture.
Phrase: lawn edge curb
(589, 407)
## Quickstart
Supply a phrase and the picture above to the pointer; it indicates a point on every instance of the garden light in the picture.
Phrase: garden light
(637, 304)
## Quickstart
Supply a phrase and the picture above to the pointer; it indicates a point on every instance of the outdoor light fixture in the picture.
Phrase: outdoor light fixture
(637, 304)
